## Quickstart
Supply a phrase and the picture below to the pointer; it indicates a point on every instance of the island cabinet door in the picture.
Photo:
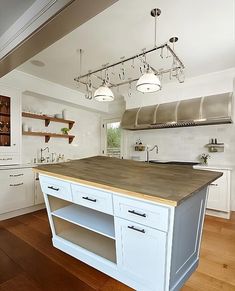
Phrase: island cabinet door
(141, 253)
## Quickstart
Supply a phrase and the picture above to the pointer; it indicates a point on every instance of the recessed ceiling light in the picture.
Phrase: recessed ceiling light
(37, 63)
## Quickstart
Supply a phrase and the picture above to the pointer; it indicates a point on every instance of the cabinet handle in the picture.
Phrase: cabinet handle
(137, 213)
(17, 175)
(90, 199)
(19, 184)
(212, 184)
(53, 188)
(136, 229)
(5, 159)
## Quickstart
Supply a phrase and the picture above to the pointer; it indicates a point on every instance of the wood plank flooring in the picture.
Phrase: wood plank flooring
(29, 262)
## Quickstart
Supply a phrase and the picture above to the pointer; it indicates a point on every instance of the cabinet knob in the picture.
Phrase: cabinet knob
(213, 184)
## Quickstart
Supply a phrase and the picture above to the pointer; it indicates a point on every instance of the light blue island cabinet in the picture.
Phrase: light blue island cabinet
(148, 242)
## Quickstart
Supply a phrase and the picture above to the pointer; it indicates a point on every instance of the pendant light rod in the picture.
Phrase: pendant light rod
(176, 57)
(155, 13)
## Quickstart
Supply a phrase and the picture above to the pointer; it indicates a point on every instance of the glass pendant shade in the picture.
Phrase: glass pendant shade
(148, 82)
(103, 94)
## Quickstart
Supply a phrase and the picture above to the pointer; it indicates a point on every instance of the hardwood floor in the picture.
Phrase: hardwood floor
(29, 262)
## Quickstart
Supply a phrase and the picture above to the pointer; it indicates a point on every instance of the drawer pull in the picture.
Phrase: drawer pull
(19, 184)
(136, 229)
(137, 213)
(53, 188)
(17, 175)
(89, 199)
(212, 184)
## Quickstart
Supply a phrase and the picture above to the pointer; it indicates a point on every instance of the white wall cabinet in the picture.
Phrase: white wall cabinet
(10, 125)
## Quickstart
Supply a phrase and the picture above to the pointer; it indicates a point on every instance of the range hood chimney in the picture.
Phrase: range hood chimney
(213, 109)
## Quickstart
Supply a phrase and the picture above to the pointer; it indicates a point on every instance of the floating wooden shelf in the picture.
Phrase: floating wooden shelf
(48, 135)
(48, 119)
(215, 147)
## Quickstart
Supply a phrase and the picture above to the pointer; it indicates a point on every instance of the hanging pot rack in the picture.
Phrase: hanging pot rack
(176, 68)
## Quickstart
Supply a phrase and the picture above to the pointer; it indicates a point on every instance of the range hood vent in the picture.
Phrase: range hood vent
(214, 109)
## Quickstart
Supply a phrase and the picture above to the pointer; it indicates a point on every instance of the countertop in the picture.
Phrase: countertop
(18, 166)
(214, 167)
(168, 184)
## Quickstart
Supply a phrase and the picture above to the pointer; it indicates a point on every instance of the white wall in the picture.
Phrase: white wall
(35, 85)
(209, 84)
(186, 143)
(86, 130)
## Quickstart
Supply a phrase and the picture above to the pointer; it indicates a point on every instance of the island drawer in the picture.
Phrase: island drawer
(55, 187)
(92, 198)
(145, 213)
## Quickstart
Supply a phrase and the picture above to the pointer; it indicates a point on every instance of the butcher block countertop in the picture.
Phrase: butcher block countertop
(167, 184)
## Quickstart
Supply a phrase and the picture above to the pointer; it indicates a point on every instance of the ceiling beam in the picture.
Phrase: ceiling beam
(72, 16)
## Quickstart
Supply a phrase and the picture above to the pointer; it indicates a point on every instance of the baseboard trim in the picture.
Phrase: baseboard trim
(220, 214)
(21, 211)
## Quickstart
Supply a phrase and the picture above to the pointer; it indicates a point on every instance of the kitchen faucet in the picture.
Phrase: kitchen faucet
(151, 149)
(42, 159)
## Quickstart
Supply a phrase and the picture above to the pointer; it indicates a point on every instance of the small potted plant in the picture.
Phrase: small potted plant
(204, 158)
(65, 130)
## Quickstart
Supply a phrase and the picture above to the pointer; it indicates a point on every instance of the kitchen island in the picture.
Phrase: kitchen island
(139, 223)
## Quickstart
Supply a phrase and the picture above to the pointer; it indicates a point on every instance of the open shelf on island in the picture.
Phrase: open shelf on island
(96, 221)
(48, 119)
(48, 135)
(87, 239)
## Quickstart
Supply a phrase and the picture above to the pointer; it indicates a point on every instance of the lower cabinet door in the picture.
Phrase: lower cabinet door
(218, 195)
(17, 189)
(141, 253)
(39, 198)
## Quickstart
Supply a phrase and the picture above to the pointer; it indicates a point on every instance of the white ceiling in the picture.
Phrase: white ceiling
(10, 11)
(205, 29)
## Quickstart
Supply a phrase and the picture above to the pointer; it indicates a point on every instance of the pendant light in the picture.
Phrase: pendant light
(103, 93)
(149, 82)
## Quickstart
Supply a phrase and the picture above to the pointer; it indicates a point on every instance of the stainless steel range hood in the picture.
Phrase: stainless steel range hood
(214, 109)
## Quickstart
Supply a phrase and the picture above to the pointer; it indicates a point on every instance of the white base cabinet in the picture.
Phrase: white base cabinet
(146, 245)
(17, 189)
(18, 194)
(141, 253)
(219, 194)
